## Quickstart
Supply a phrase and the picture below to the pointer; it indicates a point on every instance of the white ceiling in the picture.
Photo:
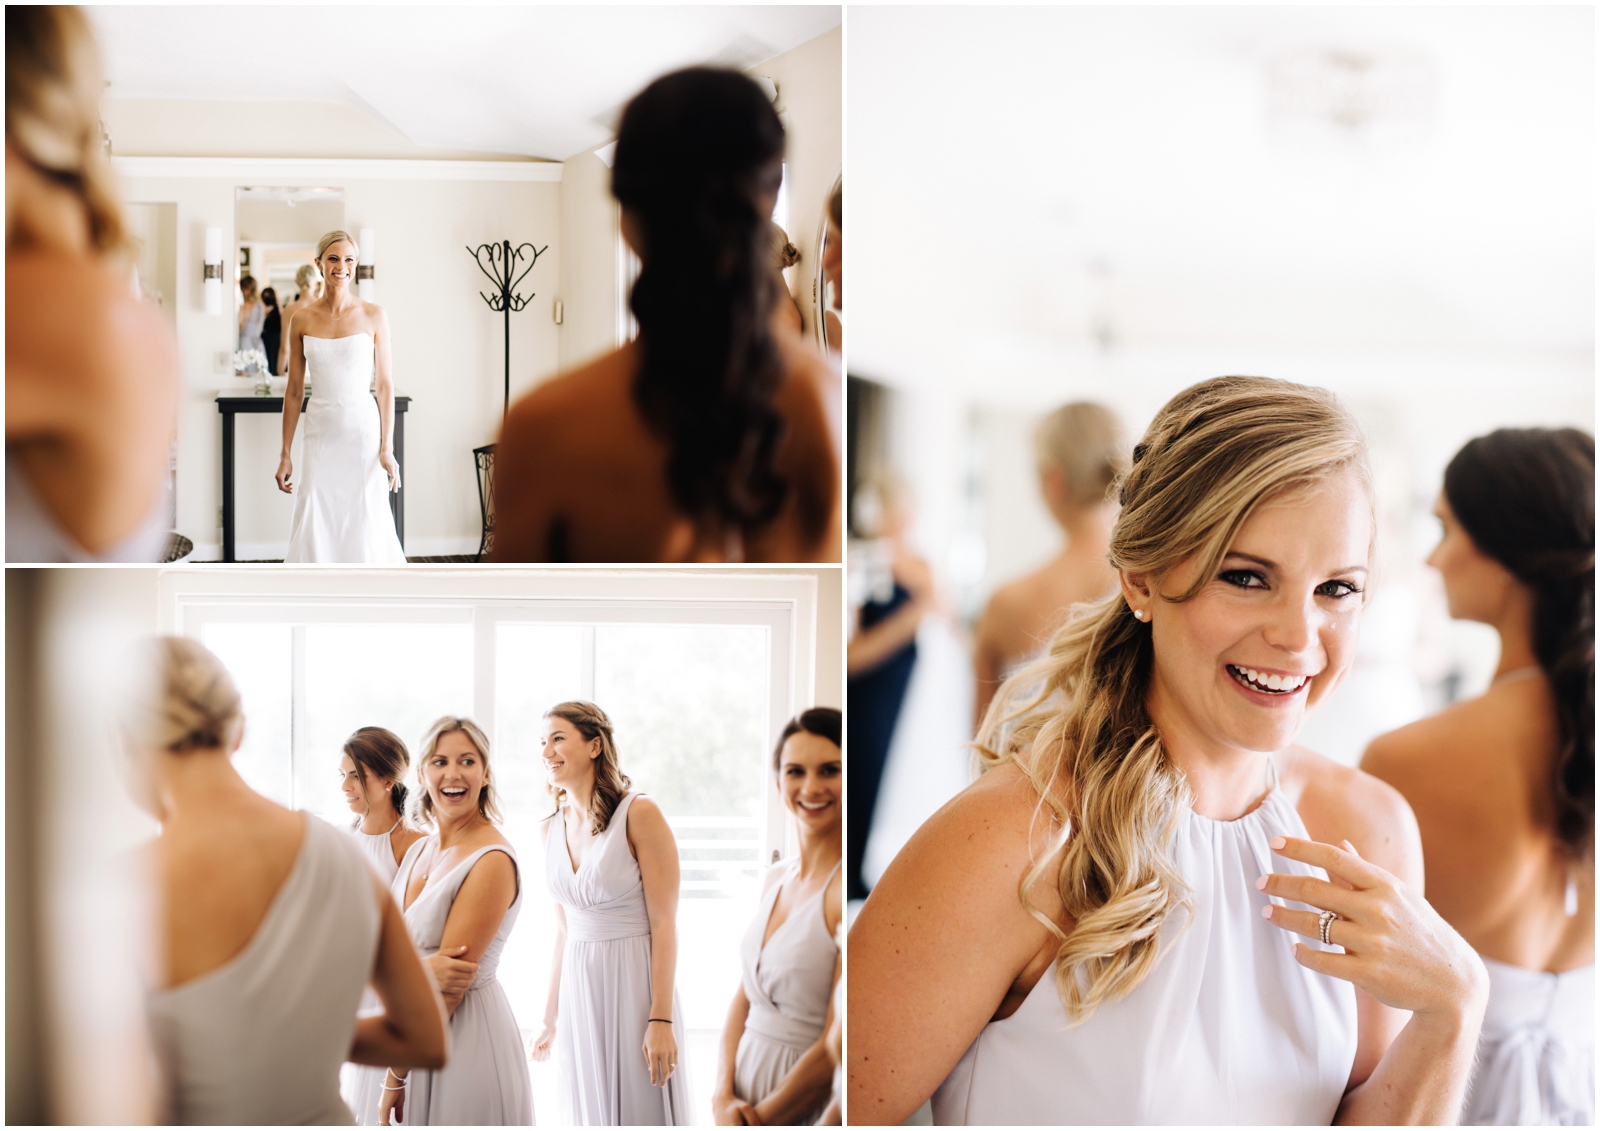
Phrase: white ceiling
(543, 82)
(1031, 185)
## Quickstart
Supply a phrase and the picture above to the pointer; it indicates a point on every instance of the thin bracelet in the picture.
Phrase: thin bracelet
(663, 1020)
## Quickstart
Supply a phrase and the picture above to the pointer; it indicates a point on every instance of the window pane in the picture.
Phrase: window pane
(258, 657)
(399, 676)
(690, 707)
(536, 667)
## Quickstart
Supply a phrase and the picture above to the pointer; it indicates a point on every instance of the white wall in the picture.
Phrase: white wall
(810, 81)
(589, 234)
(448, 351)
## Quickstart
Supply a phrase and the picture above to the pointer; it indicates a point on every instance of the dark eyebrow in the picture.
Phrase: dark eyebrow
(1267, 564)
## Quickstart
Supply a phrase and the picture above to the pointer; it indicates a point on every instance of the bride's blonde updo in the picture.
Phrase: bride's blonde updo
(1075, 721)
(332, 238)
(191, 704)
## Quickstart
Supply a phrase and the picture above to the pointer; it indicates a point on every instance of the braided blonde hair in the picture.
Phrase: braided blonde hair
(191, 705)
(1075, 722)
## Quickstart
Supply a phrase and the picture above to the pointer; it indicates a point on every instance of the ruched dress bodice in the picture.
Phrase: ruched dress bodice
(341, 507)
(604, 1002)
(1227, 1028)
(788, 982)
(486, 1082)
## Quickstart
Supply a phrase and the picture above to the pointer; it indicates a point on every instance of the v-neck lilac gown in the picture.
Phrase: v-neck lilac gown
(486, 1082)
(789, 982)
(605, 987)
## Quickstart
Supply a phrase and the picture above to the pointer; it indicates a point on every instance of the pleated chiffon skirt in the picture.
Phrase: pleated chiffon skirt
(605, 1004)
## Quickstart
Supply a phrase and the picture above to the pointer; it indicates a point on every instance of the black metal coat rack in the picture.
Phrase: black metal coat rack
(499, 262)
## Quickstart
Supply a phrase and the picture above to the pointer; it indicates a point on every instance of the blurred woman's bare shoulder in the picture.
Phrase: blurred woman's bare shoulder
(76, 334)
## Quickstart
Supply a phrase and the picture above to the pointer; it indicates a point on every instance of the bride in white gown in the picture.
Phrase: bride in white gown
(341, 509)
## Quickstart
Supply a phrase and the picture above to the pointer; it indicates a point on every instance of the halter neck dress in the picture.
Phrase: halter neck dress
(604, 1002)
(789, 982)
(259, 1040)
(486, 1082)
(377, 848)
(1226, 1029)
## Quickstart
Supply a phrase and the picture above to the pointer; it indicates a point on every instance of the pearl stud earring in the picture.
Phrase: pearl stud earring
(1138, 614)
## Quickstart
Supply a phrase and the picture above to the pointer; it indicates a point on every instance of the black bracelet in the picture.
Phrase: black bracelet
(663, 1020)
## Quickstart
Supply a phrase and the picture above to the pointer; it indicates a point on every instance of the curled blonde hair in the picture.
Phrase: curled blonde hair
(53, 85)
(1076, 722)
(1083, 441)
(488, 803)
(190, 704)
(610, 783)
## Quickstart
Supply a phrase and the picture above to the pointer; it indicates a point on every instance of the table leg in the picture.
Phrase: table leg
(227, 487)
(397, 500)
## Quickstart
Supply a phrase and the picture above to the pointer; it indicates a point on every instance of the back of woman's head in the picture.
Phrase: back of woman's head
(610, 783)
(380, 752)
(1525, 496)
(1083, 441)
(53, 86)
(247, 287)
(1076, 722)
(190, 704)
(304, 277)
(698, 162)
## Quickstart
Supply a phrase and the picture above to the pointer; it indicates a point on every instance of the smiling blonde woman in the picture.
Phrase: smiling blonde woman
(1088, 933)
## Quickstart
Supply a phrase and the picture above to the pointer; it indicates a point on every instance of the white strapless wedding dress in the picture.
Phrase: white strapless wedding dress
(341, 506)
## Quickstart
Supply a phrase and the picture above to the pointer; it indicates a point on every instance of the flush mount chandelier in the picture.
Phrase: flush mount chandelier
(1356, 94)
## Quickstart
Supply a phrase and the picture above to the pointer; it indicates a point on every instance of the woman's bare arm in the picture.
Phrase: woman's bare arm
(294, 395)
(411, 1031)
(1410, 1067)
(383, 386)
(651, 839)
(939, 943)
(479, 908)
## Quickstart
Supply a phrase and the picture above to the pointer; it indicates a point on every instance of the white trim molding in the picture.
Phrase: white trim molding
(325, 169)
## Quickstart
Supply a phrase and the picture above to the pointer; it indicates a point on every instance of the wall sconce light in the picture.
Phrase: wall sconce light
(213, 267)
(367, 265)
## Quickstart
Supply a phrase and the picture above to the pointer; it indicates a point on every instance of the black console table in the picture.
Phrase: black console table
(231, 406)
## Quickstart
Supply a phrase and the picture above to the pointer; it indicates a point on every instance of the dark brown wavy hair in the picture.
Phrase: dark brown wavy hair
(824, 722)
(699, 157)
(610, 783)
(1525, 496)
(380, 752)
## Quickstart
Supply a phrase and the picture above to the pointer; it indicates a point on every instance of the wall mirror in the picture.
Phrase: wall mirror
(824, 290)
(276, 233)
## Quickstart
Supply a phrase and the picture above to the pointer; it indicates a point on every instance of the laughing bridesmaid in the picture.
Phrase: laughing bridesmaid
(460, 887)
(775, 1067)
